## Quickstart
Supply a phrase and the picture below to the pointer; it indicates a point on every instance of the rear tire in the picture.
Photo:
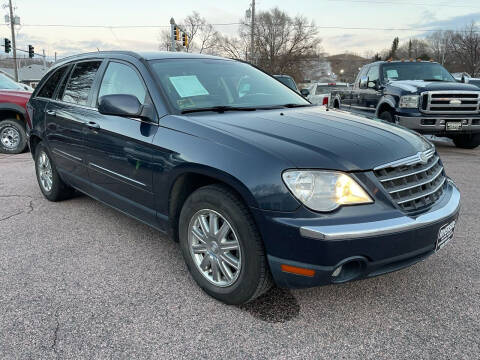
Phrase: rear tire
(51, 185)
(467, 141)
(387, 116)
(13, 137)
(203, 247)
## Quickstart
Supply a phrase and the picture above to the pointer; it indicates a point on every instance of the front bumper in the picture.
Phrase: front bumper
(435, 124)
(370, 248)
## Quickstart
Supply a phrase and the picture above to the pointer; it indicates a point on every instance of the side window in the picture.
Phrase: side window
(361, 74)
(122, 79)
(319, 90)
(50, 85)
(80, 83)
(373, 73)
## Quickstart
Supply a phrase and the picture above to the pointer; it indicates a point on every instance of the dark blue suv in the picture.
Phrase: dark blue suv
(256, 184)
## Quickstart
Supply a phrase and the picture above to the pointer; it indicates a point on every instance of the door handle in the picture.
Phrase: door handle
(93, 125)
(51, 112)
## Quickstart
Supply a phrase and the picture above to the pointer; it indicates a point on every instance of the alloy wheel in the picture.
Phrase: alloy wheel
(45, 171)
(214, 247)
(10, 137)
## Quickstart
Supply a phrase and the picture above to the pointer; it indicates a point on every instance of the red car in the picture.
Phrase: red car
(13, 121)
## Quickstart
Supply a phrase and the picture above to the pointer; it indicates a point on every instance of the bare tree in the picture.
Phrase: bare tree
(465, 48)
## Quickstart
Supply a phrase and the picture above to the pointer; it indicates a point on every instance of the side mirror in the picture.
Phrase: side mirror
(305, 92)
(363, 83)
(123, 105)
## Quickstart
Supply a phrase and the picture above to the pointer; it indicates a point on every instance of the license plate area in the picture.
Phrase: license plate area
(453, 125)
(445, 234)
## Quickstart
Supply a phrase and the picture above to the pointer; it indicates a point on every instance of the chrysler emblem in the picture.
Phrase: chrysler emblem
(455, 102)
(423, 158)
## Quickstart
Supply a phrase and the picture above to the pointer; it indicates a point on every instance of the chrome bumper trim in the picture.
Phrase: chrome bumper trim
(383, 227)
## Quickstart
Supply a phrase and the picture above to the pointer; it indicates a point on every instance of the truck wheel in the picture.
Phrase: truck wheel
(222, 247)
(387, 116)
(467, 141)
(13, 138)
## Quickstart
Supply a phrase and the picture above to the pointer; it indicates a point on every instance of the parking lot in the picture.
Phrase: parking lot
(78, 279)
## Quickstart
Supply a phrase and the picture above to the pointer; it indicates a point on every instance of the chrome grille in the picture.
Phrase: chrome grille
(450, 102)
(414, 184)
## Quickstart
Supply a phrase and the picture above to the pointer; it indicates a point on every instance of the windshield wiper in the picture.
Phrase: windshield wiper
(219, 109)
(434, 80)
(295, 105)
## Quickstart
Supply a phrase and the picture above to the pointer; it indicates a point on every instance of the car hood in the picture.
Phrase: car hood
(418, 86)
(314, 137)
(16, 93)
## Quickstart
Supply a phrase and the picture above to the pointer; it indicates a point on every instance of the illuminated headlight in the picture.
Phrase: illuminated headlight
(409, 101)
(324, 190)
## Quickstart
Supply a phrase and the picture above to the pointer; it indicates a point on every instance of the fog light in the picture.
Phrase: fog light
(464, 121)
(337, 271)
(442, 122)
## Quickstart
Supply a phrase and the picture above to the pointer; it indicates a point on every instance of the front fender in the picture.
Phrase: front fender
(386, 99)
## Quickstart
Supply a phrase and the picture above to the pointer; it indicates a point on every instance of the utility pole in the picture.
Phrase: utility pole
(44, 61)
(252, 33)
(14, 46)
(172, 35)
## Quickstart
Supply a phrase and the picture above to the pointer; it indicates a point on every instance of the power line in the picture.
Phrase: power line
(230, 24)
(406, 3)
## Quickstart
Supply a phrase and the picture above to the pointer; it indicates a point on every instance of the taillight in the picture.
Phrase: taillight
(325, 100)
(29, 115)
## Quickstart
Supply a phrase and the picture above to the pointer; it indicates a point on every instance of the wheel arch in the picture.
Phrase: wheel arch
(13, 111)
(385, 104)
(184, 182)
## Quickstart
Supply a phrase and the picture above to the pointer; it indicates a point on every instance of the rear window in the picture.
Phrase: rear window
(50, 85)
(80, 82)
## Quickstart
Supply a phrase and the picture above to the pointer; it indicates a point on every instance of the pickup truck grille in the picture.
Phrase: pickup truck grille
(450, 102)
(414, 186)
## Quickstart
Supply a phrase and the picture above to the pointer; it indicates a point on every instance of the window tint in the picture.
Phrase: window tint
(49, 87)
(80, 82)
(122, 79)
(373, 73)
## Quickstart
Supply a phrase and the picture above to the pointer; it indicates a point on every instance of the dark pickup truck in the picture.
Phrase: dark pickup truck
(420, 95)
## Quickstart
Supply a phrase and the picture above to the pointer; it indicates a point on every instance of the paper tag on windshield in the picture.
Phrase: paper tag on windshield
(392, 74)
(187, 86)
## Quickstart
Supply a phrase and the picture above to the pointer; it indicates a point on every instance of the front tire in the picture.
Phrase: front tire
(467, 141)
(387, 116)
(51, 185)
(13, 138)
(222, 246)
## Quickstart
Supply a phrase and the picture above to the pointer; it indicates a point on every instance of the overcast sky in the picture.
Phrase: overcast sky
(415, 14)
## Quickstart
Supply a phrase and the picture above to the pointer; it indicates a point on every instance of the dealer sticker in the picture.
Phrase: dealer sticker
(445, 234)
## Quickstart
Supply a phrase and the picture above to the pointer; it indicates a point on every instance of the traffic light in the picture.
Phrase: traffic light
(176, 32)
(8, 45)
(31, 51)
(185, 39)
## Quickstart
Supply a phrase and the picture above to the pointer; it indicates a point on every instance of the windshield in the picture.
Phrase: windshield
(6, 83)
(287, 81)
(203, 83)
(415, 71)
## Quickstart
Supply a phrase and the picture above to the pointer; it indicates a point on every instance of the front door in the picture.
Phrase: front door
(119, 148)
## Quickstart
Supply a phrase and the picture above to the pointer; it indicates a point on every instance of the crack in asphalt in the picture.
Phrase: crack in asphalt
(55, 336)
(29, 205)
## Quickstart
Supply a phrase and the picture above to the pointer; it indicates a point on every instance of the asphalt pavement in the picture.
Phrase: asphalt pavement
(80, 280)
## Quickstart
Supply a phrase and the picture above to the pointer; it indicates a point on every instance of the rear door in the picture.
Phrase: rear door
(356, 104)
(370, 95)
(66, 117)
(119, 148)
